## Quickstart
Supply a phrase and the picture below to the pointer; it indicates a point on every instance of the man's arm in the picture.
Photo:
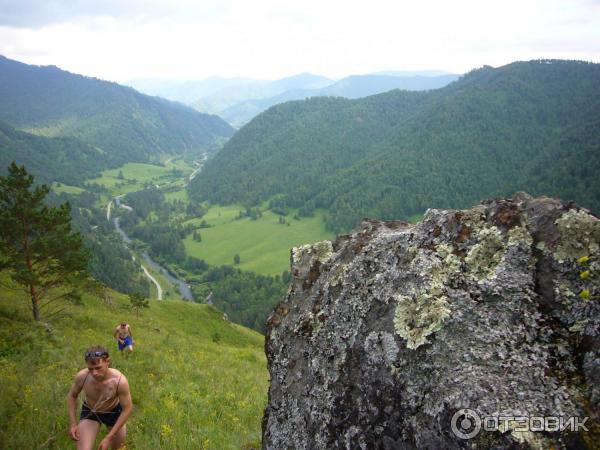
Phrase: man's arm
(127, 405)
(116, 335)
(72, 404)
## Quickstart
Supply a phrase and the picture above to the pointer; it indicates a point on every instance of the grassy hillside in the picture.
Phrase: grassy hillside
(529, 126)
(197, 381)
(263, 244)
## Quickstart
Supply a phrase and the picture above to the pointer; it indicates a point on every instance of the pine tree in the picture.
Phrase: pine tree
(138, 301)
(37, 244)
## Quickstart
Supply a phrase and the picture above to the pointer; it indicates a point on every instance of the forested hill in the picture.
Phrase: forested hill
(124, 124)
(63, 159)
(532, 126)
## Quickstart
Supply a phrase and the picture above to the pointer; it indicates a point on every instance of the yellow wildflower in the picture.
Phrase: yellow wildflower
(585, 294)
(166, 431)
(585, 274)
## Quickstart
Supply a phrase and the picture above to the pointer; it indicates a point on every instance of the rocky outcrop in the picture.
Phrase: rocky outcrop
(458, 332)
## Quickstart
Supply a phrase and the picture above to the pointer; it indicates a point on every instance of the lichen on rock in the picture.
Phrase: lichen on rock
(484, 257)
(321, 251)
(579, 235)
(387, 332)
(419, 316)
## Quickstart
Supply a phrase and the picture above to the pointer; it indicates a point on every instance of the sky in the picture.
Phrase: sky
(123, 40)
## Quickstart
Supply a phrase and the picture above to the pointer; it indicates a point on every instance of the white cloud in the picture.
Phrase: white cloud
(121, 40)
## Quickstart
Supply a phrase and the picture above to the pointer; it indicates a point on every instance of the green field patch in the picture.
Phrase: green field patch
(263, 244)
(132, 177)
(181, 195)
(59, 188)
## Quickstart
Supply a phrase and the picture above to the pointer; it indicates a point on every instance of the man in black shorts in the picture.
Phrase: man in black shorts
(107, 401)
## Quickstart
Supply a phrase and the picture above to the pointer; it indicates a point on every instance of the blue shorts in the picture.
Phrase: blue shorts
(126, 343)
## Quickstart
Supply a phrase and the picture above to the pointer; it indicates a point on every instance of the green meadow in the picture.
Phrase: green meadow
(197, 381)
(263, 244)
(135, 175)
(60, 188)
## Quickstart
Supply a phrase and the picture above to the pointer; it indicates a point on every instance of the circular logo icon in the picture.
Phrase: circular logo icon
(466, 424)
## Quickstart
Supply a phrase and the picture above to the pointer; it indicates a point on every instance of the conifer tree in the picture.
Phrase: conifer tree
(43, 255)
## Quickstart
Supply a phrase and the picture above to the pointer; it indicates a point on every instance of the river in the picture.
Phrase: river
(184, 288)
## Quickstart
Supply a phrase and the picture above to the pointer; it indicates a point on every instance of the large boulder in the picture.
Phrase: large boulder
(461, 331)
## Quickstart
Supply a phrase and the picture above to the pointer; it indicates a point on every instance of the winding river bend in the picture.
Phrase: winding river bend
(182, 286)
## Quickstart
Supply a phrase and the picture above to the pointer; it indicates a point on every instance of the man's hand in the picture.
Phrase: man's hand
(104, 443)
(74, 432)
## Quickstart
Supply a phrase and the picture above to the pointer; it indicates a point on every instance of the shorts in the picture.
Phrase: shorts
(108, 418)
(126, 343)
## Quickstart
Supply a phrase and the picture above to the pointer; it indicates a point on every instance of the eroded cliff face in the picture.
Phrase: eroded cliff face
(387, 333)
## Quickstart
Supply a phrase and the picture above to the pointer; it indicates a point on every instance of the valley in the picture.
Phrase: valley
(214, 234)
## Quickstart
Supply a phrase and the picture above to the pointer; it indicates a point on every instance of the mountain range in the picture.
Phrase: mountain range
(69, 114)
(531, 126)
(239, 100)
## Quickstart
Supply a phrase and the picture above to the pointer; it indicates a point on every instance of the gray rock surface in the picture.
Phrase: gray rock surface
(386, 334)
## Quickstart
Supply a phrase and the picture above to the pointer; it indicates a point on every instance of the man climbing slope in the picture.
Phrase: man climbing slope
(124, 337)
(107, 402)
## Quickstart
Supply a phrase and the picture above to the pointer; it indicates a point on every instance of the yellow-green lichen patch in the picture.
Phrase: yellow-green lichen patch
(564, 290)
(579, 235)
(423, 313)
(321, 251)
(339, 273)
(484, 257)
(449, 265)
(519, 235)
(419, 316)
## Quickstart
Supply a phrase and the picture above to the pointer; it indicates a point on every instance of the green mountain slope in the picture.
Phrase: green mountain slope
(124, 124)
(63, 159)
(526, 126)
(197, 381)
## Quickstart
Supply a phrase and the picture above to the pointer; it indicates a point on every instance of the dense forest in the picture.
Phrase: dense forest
(246, 297)
(63, 159)
(119, 121)
(110, 262)
(530, 126)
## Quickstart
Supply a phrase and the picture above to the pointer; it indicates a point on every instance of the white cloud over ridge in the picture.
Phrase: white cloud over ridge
(121, 40)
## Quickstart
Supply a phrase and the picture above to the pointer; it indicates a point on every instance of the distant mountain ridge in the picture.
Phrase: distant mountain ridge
(355, 86)
(239, 100)
(532, 126)
(122, 124)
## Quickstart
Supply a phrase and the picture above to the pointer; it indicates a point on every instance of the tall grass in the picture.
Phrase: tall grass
(197, 381)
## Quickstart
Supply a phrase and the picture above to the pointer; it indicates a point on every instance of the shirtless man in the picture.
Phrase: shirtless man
(107, 401)
(124, 337)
